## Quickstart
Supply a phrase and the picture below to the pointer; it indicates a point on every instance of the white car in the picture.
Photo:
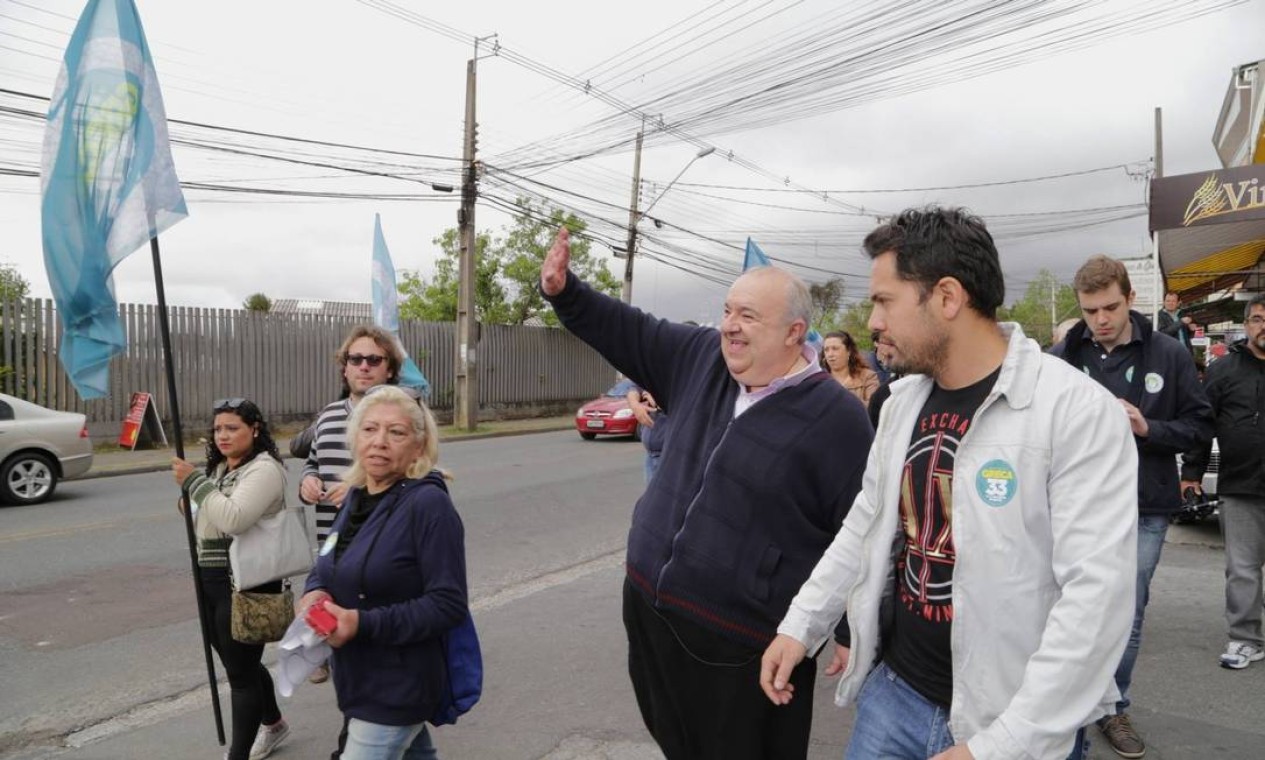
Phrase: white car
(39, 447)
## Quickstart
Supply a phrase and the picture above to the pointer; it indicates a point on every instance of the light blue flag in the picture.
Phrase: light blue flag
(107, 180)
(386, 306)
(755, 258)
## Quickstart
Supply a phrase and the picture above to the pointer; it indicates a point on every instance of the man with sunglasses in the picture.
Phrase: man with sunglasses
(369, 357)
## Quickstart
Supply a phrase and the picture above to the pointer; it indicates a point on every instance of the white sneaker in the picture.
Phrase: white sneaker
(268, 738)
(1240, 654)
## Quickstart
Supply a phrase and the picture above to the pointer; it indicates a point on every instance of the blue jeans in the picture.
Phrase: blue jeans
(374, 741)
(1151, 532)
(894, 722)
(652, 465)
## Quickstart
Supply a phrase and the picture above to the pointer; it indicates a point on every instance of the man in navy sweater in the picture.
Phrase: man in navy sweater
(765, 458)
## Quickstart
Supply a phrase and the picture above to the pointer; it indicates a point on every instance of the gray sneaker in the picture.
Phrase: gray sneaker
(268, 738)
(1240, 654)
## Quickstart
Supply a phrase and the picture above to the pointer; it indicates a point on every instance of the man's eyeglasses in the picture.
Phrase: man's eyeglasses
(372, 360)
(1256, 320)
(227, 404)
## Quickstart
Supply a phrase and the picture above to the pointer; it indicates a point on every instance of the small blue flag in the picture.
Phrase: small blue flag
(756, 258)
(107, 180)
(386, 306)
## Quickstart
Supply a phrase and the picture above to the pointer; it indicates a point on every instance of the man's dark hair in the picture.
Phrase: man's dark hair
(1257, 300)
(932, 243)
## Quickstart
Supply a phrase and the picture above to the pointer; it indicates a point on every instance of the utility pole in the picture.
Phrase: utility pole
(466, 399)
(1155, 236)
(633, 217)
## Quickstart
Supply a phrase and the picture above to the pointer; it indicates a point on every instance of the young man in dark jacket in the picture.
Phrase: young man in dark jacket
(764, 460)
(1155, 380)
(1236, 388)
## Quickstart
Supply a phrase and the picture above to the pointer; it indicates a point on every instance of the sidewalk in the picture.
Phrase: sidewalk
(114, 461)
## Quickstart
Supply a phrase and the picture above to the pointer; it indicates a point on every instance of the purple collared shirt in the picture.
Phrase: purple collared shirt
(747, 398)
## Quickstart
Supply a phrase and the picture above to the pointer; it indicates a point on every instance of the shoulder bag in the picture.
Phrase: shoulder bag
(274, 548)
(259, 617)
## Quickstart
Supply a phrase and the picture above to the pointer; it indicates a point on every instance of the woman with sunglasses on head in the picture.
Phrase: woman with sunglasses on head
(393, 574)
(843, 360)
(243, 482)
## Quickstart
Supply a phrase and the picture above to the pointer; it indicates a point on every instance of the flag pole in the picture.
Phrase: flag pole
(164, 329)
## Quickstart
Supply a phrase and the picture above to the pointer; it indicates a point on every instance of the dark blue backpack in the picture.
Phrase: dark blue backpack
(465, 673)
(462, 657)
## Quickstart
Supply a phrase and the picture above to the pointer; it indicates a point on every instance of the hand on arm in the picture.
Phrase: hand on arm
(310, 598)
(335, 495)
(956, 752)
(311, 489)
(839, 662)
(1137, 422)
(640, 411)
(348, 625)
(775, 668)
(553, 272)
(180, 470)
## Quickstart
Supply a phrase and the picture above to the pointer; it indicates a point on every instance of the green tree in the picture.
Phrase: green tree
(257, 302)
(435, 299)
(523, 252)
(507, 272)
(12, 284)
(854, 320)
(1032, 311)
(827, 299)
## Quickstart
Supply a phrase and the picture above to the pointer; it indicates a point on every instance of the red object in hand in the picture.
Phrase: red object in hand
(320, 619)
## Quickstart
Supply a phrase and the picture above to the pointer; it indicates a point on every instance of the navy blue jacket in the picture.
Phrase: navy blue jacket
(740, 510)
(405, 571)
(1236, 388)
(1177, 412)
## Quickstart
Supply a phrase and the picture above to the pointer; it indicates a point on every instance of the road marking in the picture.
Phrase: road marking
(547, 581)
(578, 747)
(70, 530)
(199, 698)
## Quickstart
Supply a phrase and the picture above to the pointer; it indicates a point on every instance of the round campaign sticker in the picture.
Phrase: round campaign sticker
(996, 483)
(1154, 382)
(330, 542)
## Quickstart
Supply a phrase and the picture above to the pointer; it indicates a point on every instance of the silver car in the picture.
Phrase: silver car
(39, 447)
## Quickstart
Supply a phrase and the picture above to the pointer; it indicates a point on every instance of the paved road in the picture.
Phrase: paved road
(99, 656)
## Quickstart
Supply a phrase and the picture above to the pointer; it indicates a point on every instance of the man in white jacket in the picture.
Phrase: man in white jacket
(987, 564)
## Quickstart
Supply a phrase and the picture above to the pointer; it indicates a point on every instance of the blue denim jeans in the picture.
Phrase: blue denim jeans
(374, 741)
(1151, 532)
(894, 722)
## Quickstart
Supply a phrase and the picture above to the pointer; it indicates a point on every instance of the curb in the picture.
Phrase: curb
(141, 469)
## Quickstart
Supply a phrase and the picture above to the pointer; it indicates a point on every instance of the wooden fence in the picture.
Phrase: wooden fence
(285, 362)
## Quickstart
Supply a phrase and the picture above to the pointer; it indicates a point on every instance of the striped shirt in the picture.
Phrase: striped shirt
(329, 460)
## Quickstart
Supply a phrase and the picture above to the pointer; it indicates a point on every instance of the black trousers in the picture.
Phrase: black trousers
(700, 695)
(253, 700)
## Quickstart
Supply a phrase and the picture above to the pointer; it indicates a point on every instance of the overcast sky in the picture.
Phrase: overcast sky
(359, 73)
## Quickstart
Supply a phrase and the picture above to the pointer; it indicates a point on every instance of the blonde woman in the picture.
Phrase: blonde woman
(393, 573)
(842, 359)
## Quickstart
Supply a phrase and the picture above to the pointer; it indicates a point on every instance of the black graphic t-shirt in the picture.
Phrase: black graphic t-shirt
(917, 642)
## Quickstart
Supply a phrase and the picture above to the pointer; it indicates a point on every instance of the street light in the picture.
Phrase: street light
(701, 154)
(635, 216)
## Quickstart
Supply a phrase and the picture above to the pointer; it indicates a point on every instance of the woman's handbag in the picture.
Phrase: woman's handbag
(276, 547)
(258, 618)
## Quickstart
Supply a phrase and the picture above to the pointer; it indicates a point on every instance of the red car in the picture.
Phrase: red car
(608, 414)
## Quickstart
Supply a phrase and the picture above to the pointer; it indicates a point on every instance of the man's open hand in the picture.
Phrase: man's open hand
(553, 272)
